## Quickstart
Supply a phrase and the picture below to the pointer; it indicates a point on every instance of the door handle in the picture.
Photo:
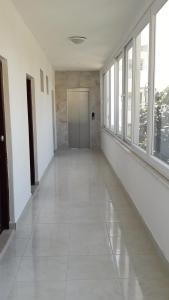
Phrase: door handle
(2, 138)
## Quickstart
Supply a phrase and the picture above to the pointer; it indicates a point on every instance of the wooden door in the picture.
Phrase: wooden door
(31, 133)
(4, 189)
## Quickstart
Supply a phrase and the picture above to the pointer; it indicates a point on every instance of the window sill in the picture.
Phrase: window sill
(152, 164)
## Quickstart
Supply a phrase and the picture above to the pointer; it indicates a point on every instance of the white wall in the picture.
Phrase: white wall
(147, 190)
(24, 55)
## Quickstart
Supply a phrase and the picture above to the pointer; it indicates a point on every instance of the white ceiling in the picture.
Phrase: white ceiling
(103, 22)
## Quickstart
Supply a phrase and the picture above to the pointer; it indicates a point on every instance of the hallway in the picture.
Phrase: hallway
(80, 239)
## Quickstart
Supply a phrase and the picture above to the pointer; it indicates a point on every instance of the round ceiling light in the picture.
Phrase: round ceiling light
(76, 39)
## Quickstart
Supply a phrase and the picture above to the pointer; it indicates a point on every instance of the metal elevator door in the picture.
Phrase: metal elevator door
(78, 118)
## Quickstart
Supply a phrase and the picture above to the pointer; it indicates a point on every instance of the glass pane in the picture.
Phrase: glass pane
(161, 107)
(141, 105)
(120, 93)
(112, 97)
(106, 99)
(129, 90)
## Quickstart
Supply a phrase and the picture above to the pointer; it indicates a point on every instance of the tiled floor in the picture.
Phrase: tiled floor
(81, 240)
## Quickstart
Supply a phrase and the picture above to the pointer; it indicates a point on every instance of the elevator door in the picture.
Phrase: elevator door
(78, 118)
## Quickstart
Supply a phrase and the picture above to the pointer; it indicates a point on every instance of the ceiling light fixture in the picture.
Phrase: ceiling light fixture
(77, 40)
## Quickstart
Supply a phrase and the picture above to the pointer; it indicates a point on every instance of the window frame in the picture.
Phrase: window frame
(47, 85)
(118, 58)
(42, 84)
(144, 25)
(113, 129)
(129, 46)
(105, 116)
(157, 163)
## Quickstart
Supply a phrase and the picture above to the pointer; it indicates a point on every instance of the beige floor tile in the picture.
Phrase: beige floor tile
(91, 267)
(47, 290)
(93, 290)
(42, 269)
(89, 239)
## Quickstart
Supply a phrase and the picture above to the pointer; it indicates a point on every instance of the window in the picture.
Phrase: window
(141, 88)
(129, 90)
(42, 81)
(120, 94)
(136, 92)
(47, 85)
(112, 98)
(107, 99)
(161, 85)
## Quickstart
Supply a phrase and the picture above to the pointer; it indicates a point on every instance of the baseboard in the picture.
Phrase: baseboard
(5, 239)
(156, 246)
(12, 226)
(35, 192)
(46, 170)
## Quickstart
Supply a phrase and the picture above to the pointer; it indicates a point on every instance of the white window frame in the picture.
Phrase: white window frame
(129, 46)
(158, 164)
(105, 101)
(112, 128)
(109, 98)
(118, 58)
(140, 27)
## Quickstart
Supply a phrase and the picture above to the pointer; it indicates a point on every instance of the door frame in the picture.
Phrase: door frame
(33, 108)
(67, 104)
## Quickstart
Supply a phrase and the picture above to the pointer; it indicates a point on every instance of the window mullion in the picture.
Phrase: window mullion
(110, 99)
(115, 89)
(123, 94)
(116, 96)
(104, 101)
(126, 85)
(126, 93)
(150, 137)
(133, 93)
